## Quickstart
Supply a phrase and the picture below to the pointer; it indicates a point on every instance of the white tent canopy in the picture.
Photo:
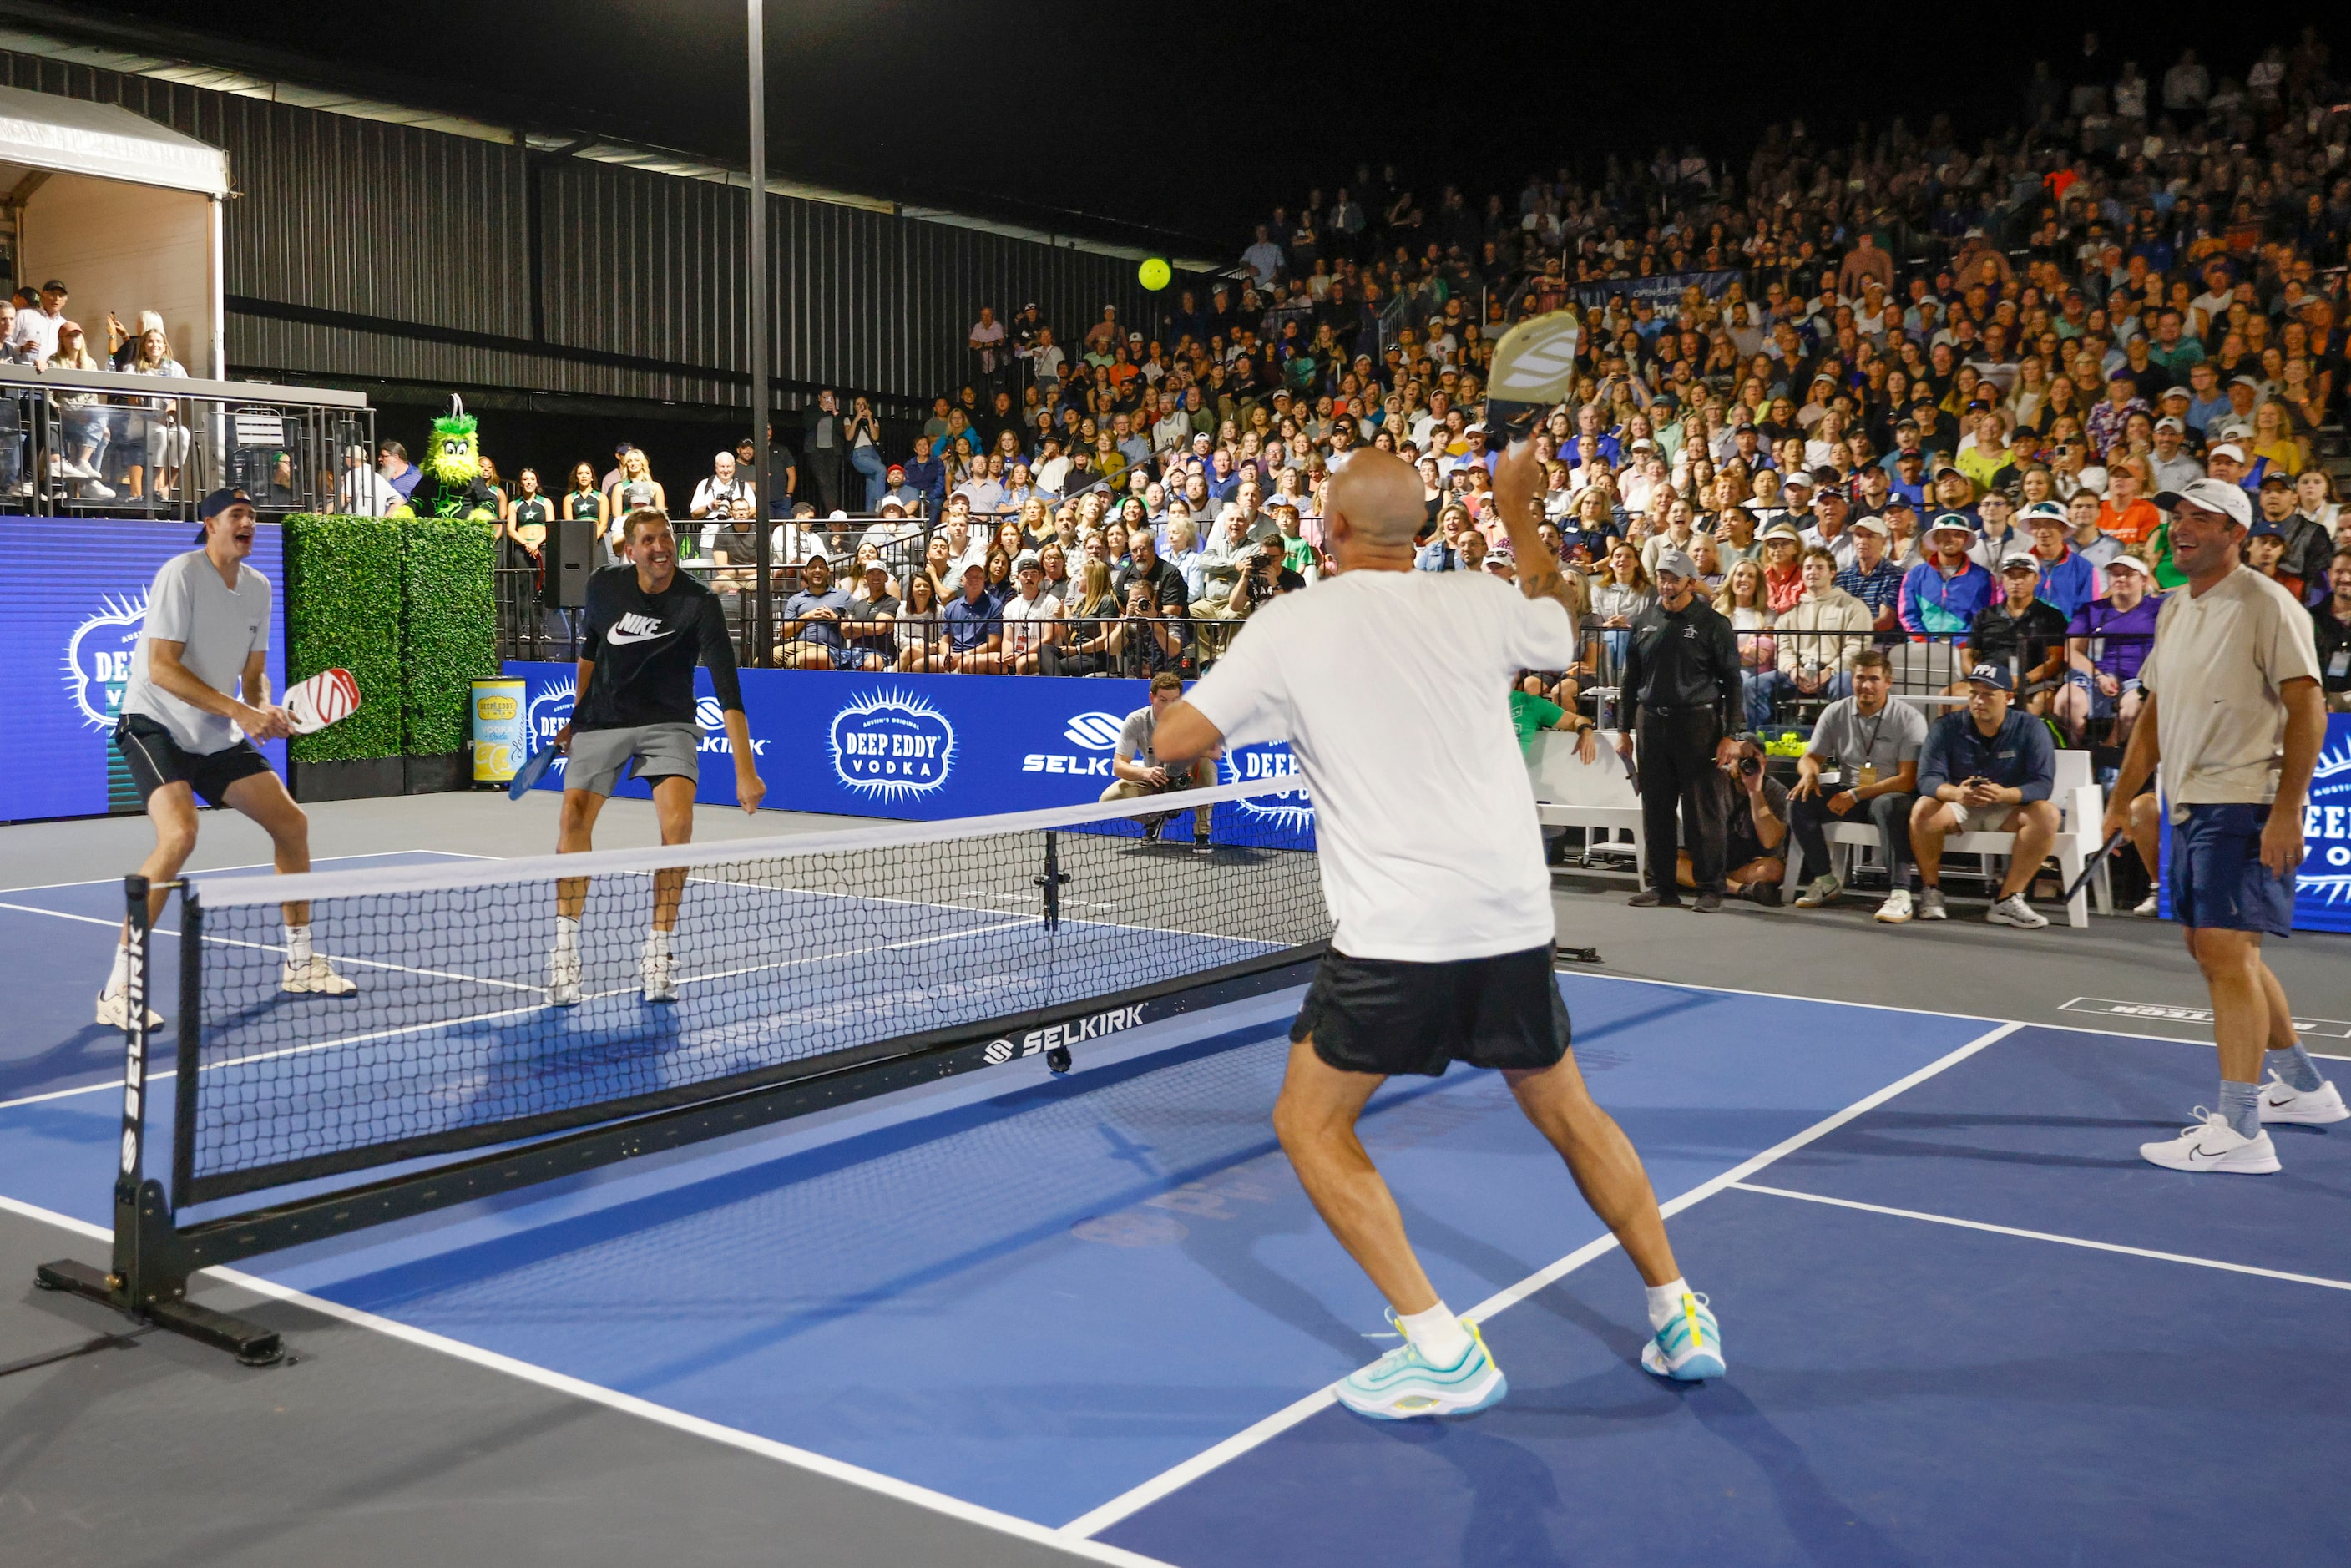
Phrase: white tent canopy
(125, 212)
(68, 136)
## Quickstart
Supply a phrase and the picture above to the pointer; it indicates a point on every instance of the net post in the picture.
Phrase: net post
(191, 1044)
(134, 1082)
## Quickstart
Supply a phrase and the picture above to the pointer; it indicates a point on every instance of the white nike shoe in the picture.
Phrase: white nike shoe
(316, 977)
(114, 1011)
(2146, 908)
(1823, 889)
(2013, 911)
(660, 975)
(1896, 910)
(563, 978)
(2213, 1145)
(94, 491)
(1930, 904)
(2282, 1101)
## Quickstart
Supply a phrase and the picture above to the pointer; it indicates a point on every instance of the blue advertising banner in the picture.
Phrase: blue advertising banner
(68, 623)
(1663, 290)
(924, 747)
(2322, 888)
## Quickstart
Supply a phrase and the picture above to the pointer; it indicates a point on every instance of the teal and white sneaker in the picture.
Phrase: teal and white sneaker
(1689, 1348)
(1401, 1384)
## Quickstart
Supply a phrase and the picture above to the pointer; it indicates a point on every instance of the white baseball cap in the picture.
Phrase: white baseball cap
(2212, 496)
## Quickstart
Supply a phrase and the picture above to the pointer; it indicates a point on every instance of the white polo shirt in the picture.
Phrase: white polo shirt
(1392, 689)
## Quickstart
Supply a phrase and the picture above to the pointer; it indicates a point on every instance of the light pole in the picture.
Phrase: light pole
(764, 603)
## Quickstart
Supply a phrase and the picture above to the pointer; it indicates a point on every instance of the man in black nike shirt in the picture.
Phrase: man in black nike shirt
(646, 626)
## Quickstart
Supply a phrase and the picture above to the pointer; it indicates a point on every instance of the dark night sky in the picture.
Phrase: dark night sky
(1148, 114)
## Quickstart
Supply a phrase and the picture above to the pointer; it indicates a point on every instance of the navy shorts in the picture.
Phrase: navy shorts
(2217, 880)
(1390, 1015)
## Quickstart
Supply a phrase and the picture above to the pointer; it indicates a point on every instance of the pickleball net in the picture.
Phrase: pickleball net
(801, 963)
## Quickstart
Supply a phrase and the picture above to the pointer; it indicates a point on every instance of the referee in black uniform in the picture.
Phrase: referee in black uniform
(1682, 667)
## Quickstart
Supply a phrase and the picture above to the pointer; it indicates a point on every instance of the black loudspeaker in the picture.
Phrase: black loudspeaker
(575, 558)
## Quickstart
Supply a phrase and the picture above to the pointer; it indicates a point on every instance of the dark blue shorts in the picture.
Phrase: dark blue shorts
(2217, 881)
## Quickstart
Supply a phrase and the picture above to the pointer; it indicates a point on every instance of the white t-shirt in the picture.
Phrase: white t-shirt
(1392, 689)
(218, 629)
(2218, 660)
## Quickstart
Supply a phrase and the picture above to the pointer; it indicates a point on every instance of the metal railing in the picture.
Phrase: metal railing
(108, 442)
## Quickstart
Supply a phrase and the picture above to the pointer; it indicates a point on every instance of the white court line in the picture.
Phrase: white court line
(251, 865)
(2043, 1236)
(1159, 1486)
(1922, 1012)
(662, 1415)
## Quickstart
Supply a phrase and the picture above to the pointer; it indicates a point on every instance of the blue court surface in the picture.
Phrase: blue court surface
(1965, 1324)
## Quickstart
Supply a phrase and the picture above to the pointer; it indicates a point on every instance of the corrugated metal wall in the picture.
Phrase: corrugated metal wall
(406, 227)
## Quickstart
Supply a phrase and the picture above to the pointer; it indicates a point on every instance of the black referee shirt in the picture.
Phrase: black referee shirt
(644, 647)
(1683, 658)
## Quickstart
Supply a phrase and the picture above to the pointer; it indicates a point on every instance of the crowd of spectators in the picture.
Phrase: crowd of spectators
(103, 447)
(1866, 387)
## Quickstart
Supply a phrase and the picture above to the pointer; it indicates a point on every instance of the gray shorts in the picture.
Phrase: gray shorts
(599, 758)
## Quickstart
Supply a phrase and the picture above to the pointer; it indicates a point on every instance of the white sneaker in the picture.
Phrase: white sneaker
(70, 469)
(114, 1011)
(96, 491)
(2146, 908)
(1403, 1384)
(563, 978)
(315, 978)
(1824, 890)
(2013, 911)
(2213, 1145)
(1896, 910)
(660, 975)
(2282, 1101)
(1930, 904)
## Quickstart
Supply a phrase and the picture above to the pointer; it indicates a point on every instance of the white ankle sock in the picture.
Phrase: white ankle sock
(657, 944)
(1439, 1334)
(1666, 1303)
(297, 945)
(119, 977)
(567, 934)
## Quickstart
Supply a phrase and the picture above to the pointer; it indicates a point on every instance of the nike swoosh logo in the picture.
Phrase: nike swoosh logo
(617, 635)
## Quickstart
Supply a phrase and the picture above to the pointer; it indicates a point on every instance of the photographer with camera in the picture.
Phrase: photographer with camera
(1754, 810)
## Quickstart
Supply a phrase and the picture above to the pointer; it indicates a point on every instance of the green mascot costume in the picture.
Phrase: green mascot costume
(454, 458)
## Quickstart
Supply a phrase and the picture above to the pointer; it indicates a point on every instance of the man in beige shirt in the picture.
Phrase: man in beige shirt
(2233, 710)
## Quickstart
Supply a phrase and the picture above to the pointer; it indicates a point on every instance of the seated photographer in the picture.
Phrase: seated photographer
(1873, 741)
(1140, 772)
(1988, 768)
(1754, 813)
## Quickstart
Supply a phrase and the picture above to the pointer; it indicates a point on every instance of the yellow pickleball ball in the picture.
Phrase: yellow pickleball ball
(1155, 274)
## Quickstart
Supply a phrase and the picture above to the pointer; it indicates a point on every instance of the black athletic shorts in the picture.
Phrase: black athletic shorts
(156, 760)
(1390, 1015)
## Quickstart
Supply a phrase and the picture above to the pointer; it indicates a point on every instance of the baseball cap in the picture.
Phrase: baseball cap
(1992, 675)
(1871, 523)
(2174, 391)
(1830, 492)
(889, 502)
(2244, 381)
(1677, 563)
(2230, 449)
(1898, 502)
(898, 468)
(2212, 496)
(836, 516)
(2172, 422)
(2263, 529)
(971, 566)
(1948, 467)
(220, 501)
(873, 566)
(1797, 477)
(2277, 476)
(2024, 558)
(1952, 522)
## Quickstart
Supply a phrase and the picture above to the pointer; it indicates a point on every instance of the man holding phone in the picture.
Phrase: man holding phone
(1990, 769)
